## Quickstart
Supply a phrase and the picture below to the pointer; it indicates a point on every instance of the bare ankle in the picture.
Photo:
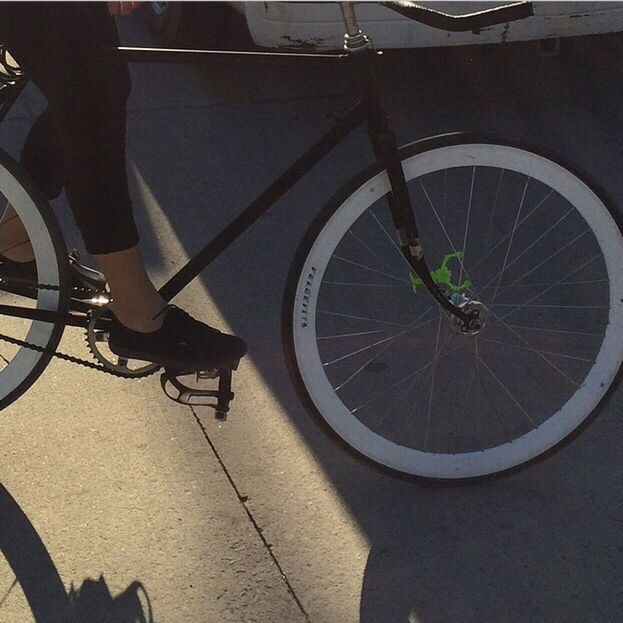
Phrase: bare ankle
(136, 302)
(143, 320)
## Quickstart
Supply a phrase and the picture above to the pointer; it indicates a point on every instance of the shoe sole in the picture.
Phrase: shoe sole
(182, 367)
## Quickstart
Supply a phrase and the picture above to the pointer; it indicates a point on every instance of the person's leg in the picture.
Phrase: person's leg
(79, 143)
(73, 61)
(136, 302)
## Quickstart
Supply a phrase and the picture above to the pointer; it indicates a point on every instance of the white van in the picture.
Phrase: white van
(318, 25)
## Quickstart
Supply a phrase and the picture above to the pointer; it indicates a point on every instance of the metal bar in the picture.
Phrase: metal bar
(264, 202)
(181, 55)
(349, 18)
(45, 315)
(9, 95)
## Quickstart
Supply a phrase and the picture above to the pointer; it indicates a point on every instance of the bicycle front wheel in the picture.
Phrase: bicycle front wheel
(522, 238)
(21, 366)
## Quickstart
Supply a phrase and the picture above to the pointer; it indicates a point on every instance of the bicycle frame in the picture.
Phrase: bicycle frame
(369, 108)
(344, 126)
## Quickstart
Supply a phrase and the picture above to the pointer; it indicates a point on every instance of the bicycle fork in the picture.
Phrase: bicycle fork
(386, 151)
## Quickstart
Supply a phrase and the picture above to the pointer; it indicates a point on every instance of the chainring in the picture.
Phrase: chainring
(97, 341)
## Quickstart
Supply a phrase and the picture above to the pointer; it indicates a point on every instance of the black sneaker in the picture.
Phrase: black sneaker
(182, 343)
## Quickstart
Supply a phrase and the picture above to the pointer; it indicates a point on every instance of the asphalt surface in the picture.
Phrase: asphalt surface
(106, 483)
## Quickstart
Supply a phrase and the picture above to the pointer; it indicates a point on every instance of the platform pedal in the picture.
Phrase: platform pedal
(90, 278)
(219, 399)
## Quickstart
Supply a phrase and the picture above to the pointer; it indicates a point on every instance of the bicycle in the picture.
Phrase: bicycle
(493, 358)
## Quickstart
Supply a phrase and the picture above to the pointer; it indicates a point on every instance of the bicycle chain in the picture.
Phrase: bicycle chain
(55, 353)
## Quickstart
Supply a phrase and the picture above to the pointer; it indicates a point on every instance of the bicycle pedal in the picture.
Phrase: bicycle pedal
(190, 395)
(90, 277)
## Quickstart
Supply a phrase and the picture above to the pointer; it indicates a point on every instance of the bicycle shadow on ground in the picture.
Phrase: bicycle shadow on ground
(35, 573)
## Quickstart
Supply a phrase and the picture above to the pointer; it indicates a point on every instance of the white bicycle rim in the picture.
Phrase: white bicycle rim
(22, 364)
(519, 450)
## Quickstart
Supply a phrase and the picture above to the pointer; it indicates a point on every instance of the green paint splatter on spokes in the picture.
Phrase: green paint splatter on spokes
(443, 276)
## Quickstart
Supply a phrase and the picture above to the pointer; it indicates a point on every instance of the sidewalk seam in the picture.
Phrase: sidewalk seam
(243, 501)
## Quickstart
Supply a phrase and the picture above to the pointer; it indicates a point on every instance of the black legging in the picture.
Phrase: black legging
(78, 143)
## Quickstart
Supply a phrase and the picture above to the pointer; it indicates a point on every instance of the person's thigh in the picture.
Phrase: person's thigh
(69, 51)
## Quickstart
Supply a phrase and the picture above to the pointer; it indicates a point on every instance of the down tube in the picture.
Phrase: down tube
(264, 202)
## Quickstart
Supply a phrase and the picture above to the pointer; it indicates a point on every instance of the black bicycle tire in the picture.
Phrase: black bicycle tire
(58, 243)
(406, 151)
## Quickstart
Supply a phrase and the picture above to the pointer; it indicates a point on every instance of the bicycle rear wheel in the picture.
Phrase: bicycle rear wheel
(20, 366)
(529, 242)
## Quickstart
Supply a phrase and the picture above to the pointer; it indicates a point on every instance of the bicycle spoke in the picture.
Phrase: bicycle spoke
(15, 246)
(491, 218)
(359, 350)
(512, 238)
(563, 283)
(489, 400)
(583, 283)
(374, 270)
(541, 352)
(482, 387)
(535, 242)
(393, 242)
(474, 387)
(422, 368)
(469, 211)
(545, 261)
(411, 376)
(364, 318)
(356, 334)
(507, 391)
(577, 333)
(534, 298)
(517, 305)
(504, 238)
(446, 234)
(369, 249)
(381, 421)
(359, 370)
(525, 341)
(363, 285)
(432, 386)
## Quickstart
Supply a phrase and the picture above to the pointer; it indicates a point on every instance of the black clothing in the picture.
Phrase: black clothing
(67, 49)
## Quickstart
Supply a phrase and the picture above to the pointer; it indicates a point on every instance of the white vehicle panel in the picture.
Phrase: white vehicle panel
(318, 25)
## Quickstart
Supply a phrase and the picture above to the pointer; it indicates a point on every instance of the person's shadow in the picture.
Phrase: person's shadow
(35, 572)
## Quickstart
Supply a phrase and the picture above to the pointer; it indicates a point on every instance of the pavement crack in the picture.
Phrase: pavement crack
(243, 499)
